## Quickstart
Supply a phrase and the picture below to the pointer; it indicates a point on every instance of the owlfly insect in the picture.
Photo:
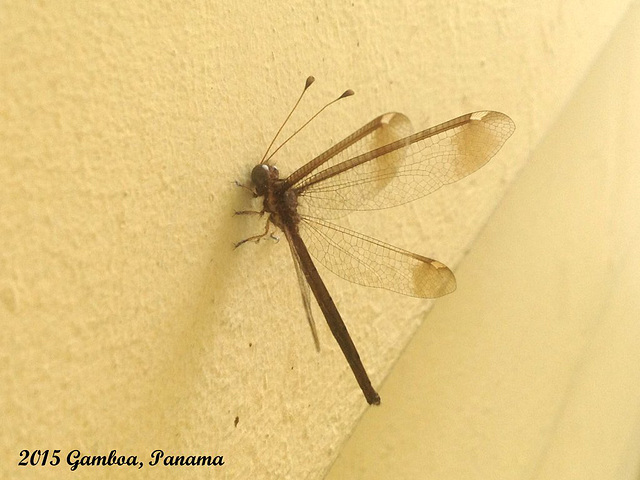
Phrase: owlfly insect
(380, 165)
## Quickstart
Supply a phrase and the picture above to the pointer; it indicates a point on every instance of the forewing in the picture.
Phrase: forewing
(406, 169)
(372, 263)
(380, 131)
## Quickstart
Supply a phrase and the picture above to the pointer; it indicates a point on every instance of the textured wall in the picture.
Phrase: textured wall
(128, 321)
(531, 370)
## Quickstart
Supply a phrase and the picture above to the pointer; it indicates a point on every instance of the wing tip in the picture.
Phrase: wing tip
(499, 119)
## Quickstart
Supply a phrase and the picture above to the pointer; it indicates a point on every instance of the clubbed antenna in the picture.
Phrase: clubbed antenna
(307, 84)
(346, 94)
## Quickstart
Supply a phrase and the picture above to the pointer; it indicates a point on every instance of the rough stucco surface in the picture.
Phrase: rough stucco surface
(544, 330)
(128, 322)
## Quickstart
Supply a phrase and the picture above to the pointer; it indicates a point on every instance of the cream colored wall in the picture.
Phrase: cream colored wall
(531, 370)
(129, 322)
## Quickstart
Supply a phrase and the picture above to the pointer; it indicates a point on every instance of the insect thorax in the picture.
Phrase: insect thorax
(283, 206)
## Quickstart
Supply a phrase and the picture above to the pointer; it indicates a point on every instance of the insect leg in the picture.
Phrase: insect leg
(254, 238)
(253, 192)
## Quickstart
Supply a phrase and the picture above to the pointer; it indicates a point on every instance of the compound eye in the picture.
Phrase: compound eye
(259, 175)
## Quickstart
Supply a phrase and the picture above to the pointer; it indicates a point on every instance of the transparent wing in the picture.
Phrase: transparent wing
(372, 263)
(306, 297)
(405, 169)
(380, 131)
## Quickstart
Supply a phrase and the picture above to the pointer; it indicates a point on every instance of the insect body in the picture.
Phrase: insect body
(378, 166)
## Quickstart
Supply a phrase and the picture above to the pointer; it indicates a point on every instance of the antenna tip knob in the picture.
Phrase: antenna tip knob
(309, 81)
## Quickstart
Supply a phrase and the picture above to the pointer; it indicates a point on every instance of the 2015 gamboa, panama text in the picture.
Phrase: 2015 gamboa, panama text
(75, 459)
